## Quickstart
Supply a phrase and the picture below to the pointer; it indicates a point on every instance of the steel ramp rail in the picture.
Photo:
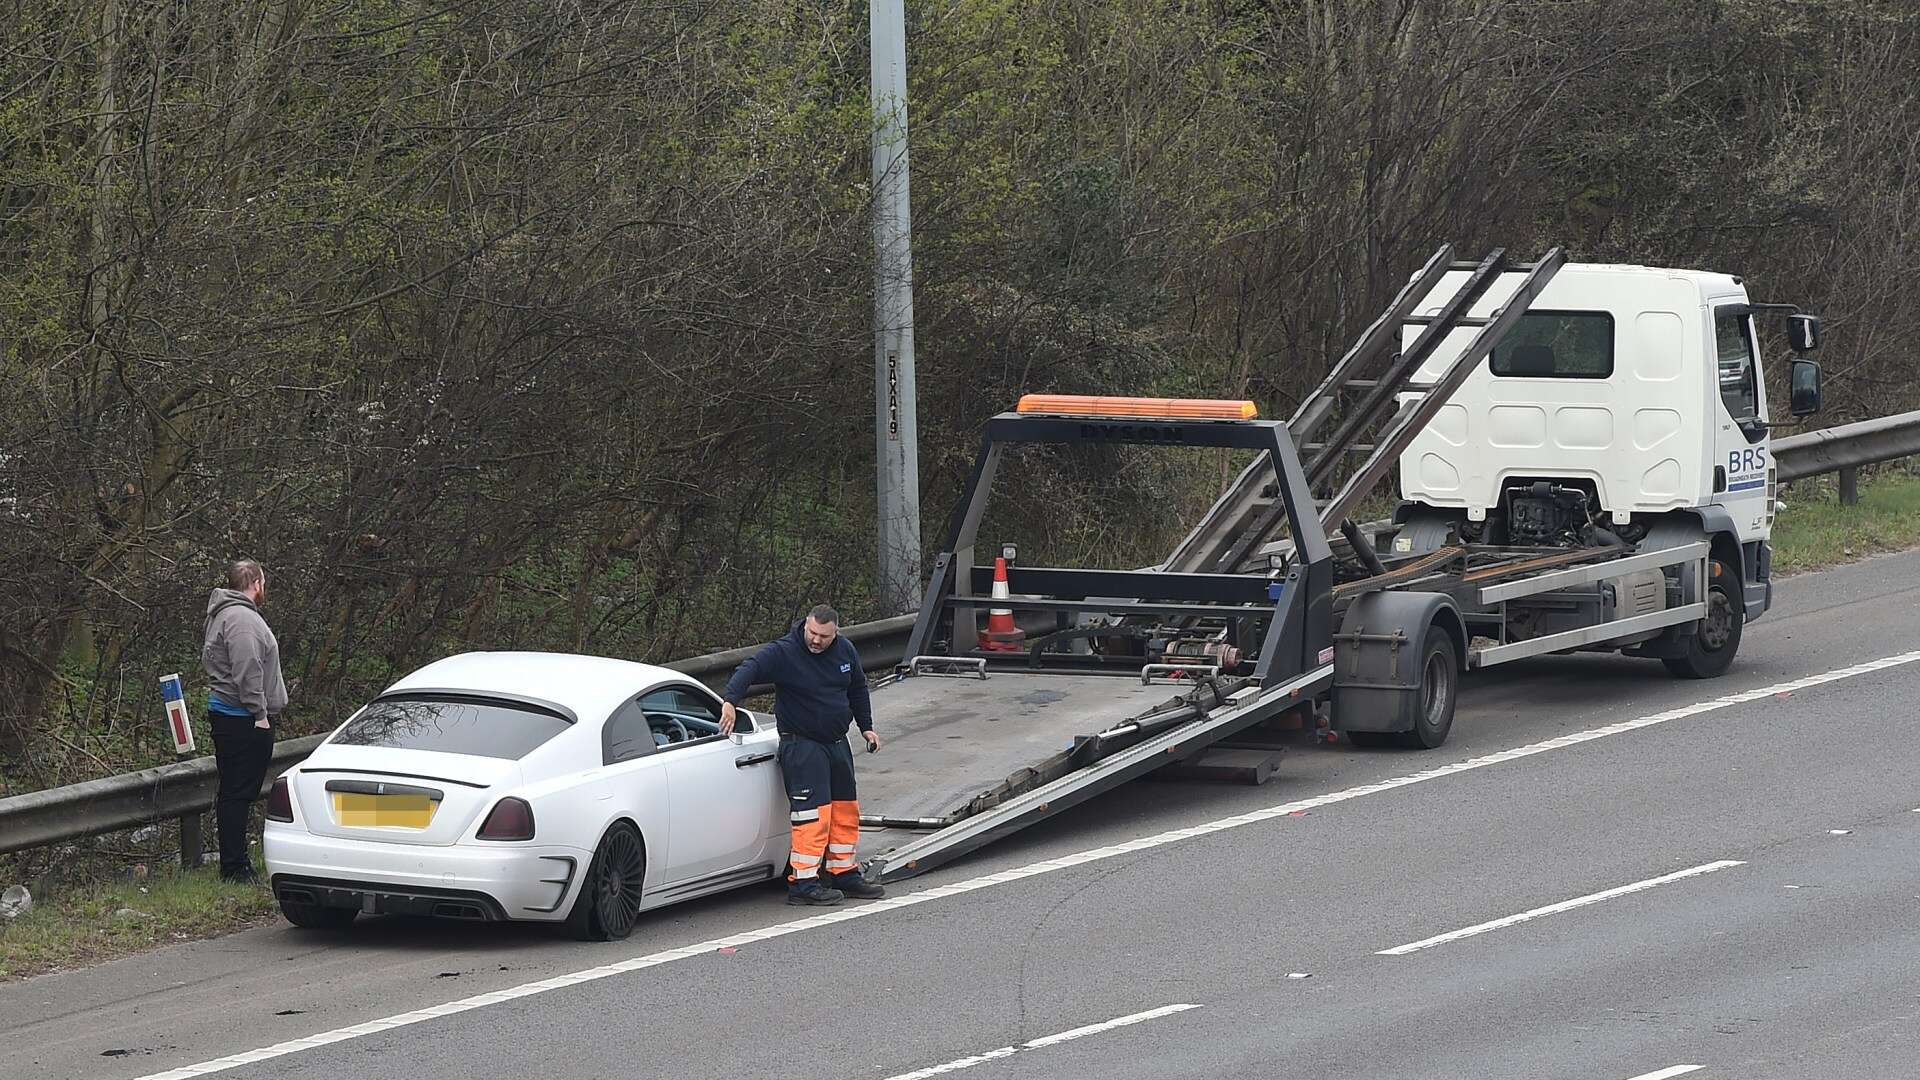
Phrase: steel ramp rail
(1372, 387)
(1246, 707)
(1378, 397)
(1245, 500)
(1382, 338)
(1429, 398)
(1397, 407)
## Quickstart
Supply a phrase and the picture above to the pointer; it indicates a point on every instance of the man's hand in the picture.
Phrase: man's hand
(873, 741)
(726, 718)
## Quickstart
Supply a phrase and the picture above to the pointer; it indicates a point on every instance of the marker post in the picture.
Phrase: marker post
(180, 727)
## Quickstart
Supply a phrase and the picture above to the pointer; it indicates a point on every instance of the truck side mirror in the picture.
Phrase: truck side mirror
(1804, 388)
(1803, 333)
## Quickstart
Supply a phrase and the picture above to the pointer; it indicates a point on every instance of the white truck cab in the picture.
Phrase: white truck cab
(1629, 400)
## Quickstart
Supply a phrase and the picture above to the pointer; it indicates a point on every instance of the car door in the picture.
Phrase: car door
(632, 782)
(718, 791)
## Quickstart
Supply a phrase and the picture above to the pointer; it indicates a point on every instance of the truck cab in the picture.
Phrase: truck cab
(1626, 397)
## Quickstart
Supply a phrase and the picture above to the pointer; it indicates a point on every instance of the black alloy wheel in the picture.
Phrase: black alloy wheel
(609, 903)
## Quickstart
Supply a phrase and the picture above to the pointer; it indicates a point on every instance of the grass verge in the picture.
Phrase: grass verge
(1816, 531)
(84, 924)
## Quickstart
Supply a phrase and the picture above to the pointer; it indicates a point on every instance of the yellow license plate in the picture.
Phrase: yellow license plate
(400, 811)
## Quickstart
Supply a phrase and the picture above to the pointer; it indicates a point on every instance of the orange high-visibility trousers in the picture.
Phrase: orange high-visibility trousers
(822, 808)
(809, 845)
(843, 836)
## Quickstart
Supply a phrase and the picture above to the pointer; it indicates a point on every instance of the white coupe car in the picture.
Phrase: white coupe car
(535, 786)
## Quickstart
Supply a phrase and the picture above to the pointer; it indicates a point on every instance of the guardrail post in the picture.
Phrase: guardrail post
(191, 847)
(1849, 486)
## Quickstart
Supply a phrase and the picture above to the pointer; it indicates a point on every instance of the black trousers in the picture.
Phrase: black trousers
(241, 752)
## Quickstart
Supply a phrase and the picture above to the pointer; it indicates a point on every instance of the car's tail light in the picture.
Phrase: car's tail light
(512, 819)
(280, 801)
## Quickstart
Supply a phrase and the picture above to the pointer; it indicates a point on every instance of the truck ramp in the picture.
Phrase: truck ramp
(956, 745)
(970, 759)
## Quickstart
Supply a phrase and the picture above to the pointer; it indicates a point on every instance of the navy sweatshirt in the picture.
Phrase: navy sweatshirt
(814, 695)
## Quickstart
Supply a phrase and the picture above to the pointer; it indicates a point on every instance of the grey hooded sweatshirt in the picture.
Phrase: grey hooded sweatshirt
(241, 656)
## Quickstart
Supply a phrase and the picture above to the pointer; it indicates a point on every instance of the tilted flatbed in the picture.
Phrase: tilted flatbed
(1256, 620)
(966, 765)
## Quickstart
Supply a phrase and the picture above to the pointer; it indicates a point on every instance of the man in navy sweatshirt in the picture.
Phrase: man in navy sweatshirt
(818, 688)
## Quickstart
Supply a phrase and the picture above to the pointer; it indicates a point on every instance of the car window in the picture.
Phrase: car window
(627, 735)
(1733, 340)
(481, 727)
(1557, 345)
(683, 714)
(694, 703)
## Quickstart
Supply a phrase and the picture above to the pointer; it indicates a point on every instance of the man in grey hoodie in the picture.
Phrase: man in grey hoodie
(245, 697)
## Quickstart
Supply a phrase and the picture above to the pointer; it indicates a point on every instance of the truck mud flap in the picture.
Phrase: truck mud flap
(1247, 707)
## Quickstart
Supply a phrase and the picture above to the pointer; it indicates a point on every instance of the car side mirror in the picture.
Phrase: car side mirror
(1804, 388)
(1803, 333)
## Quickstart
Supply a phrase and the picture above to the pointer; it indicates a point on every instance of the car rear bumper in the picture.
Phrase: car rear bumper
(459, 881)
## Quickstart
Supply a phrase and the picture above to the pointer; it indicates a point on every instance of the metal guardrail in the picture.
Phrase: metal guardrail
(1845, 448)
(134, 799)
(127, 801)
(882, 644)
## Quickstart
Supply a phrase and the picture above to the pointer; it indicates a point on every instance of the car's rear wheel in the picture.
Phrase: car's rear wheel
(317, 916)
(609, 902)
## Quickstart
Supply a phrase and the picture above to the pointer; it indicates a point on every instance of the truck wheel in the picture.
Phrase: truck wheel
(1716, 637)
(1423, 718)
(1431, 712)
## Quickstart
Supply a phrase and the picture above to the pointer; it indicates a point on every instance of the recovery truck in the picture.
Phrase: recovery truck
(1584, 465)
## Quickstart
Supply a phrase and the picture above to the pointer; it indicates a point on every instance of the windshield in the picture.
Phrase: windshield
(480, 727)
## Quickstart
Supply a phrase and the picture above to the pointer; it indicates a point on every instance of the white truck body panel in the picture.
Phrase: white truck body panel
(1624, 392)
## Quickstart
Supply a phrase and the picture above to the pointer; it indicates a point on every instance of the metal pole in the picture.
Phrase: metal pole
(896, 430)
(1849, 486)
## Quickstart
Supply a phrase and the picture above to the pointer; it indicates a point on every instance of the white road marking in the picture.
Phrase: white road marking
(1048, 1040)
(1677, 1070)
(1555, 909)
(941, 892)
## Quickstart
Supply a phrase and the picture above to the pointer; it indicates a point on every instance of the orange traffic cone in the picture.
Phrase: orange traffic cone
(1001, 635)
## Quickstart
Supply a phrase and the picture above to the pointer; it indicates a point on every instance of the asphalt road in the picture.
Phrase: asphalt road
(1775, 842)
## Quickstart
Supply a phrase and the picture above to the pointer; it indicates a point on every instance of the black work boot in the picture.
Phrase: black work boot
(813, 894)
(852, 884)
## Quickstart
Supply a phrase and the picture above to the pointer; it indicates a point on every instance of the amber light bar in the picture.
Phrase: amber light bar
(1154, 408)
